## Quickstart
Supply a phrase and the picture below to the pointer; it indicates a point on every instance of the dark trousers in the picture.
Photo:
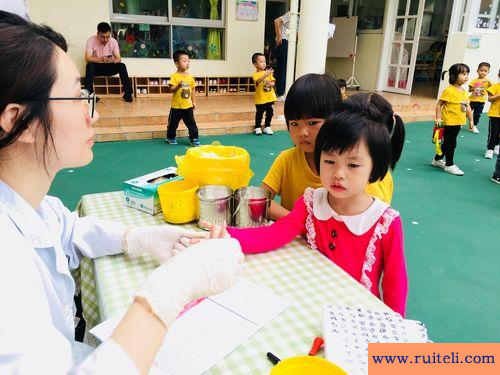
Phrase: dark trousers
(186, 115)
(450, 135)
(105, 69)
(261, 108)
(280, 69)
(493, 133)
(496, 173)
(477, 109)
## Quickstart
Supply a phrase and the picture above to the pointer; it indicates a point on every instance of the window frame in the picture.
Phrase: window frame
(353, 6)
(494, 9)
(170, 22)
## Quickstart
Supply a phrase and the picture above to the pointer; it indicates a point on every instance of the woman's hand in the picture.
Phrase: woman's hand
(161, 241)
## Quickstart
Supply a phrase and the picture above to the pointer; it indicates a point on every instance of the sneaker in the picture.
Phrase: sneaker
(475, 130)
(195, 142)
(128, 97)
(496, 179)
(438, 163)
(171, 141)
(495, 150)
(453, 169)
(268, 130)
(488, 154)
(257, 131)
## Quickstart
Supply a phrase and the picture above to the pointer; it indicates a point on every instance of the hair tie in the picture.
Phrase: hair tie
(394, 114)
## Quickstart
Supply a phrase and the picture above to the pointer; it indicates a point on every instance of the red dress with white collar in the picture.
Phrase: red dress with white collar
(366, 245)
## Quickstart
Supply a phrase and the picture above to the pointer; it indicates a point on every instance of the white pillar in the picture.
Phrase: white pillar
(292, 44)
(313, 37)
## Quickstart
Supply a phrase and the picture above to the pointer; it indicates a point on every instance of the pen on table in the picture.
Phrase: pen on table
(316, 346)
(274, 360)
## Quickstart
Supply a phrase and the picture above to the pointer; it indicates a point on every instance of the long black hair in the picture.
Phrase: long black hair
(454, 71)
(27, 73)
(377, 107)
(312, 96)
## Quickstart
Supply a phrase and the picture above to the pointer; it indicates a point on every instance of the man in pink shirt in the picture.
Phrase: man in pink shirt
(102, 55)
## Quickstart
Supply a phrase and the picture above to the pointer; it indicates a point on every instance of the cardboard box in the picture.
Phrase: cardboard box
(142, 192)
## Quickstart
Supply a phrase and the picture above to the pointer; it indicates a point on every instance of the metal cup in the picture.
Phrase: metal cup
(252, 206)
(214, 205)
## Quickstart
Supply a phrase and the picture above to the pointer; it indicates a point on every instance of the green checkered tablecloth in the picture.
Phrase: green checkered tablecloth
(303, 276)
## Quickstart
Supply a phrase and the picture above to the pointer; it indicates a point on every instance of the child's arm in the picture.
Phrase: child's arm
(395, 279)
(492, 98)
(276, 211)
(280, 233)
(469, 116)
(439, 107)
(264, 76)
(193, 97)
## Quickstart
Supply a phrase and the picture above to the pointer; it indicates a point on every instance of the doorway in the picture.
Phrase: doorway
(274, 9)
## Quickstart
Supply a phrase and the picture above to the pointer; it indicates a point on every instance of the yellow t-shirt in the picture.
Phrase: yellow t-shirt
(182, 99)
(264, 94)
(455, 106)
(479, 87)
(495, 105)
(290, 175)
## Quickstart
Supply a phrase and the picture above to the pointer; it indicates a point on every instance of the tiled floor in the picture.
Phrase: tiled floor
(146, 118)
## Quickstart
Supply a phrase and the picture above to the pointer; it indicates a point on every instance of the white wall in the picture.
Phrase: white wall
(77, 21)
(367, 62)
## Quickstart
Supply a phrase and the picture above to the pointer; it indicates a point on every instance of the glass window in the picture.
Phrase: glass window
(370, 13)
(434, 15)
(199, 42)
(339, 8)
(199, 9)
(141, 7)
(489, 15)
(142, 40)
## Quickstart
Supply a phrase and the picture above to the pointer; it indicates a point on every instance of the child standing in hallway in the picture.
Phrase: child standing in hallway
(451, 111)
(477, 88)
(264, 94)
(494, 125)
(183, 103)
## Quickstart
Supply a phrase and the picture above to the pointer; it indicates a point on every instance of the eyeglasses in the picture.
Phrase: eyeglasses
(84, 95)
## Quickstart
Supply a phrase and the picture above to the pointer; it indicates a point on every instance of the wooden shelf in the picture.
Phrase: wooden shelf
(107, 86)
(224, 85)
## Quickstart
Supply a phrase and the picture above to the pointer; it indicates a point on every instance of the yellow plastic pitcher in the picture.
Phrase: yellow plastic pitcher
(304, 365)
(178, 201)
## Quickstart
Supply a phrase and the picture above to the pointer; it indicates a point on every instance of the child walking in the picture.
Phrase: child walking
(494, 124)
(183, 101)
(264, 94)
(343, 87)
(359, 233)
(451, 111)
(477, 88)
(311, 99)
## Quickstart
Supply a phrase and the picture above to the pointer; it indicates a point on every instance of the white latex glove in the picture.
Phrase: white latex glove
(203, 269)
(158, 240)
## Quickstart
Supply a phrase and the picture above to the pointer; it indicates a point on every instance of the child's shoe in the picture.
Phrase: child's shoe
(268, 130)
(495, 179)
(475, 130)
(195, 142)
(257, 131)
(453, 169)
(496, 150)
(488, 154)
(171, 141)
(438, 163)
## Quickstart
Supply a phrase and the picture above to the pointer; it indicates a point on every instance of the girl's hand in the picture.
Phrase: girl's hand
(219, 231)
(438, 122)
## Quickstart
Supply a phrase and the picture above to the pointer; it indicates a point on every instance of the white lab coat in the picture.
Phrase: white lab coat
(37, 250)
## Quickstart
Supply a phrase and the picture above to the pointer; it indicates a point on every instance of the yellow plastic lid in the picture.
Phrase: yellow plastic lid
(306, 365)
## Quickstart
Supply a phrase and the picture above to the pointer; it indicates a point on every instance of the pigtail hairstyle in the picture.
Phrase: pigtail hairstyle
(379, 109)
(454, 71)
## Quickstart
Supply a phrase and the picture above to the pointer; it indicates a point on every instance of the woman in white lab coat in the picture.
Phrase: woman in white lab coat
(45, 126)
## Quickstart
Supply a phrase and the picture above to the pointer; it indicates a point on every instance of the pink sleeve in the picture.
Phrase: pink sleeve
(280, 233)
(395, 279)
(88, 47)
(115, 48)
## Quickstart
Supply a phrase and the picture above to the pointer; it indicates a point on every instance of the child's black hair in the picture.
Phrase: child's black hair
(255, 56)
(341, 82)
(377, 107)
(345, 129)
(484, 63)
(312, 96)
(178, 54)
(454, 71)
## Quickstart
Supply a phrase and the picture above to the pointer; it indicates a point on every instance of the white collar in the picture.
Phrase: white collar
(357, 224)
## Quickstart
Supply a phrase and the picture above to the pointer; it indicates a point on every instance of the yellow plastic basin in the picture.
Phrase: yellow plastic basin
(178, 201)
(306, 365)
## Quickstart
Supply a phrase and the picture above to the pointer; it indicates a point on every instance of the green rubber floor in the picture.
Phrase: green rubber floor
(452, 224)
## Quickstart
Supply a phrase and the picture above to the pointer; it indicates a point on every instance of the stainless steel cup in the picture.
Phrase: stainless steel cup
(214, 205)
(251, 206)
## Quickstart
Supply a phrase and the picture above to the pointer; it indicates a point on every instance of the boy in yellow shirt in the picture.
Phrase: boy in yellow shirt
(311, 99)
(451, 111)
(183, 103)
(264, 94)
(494, 115)
(477, 88)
